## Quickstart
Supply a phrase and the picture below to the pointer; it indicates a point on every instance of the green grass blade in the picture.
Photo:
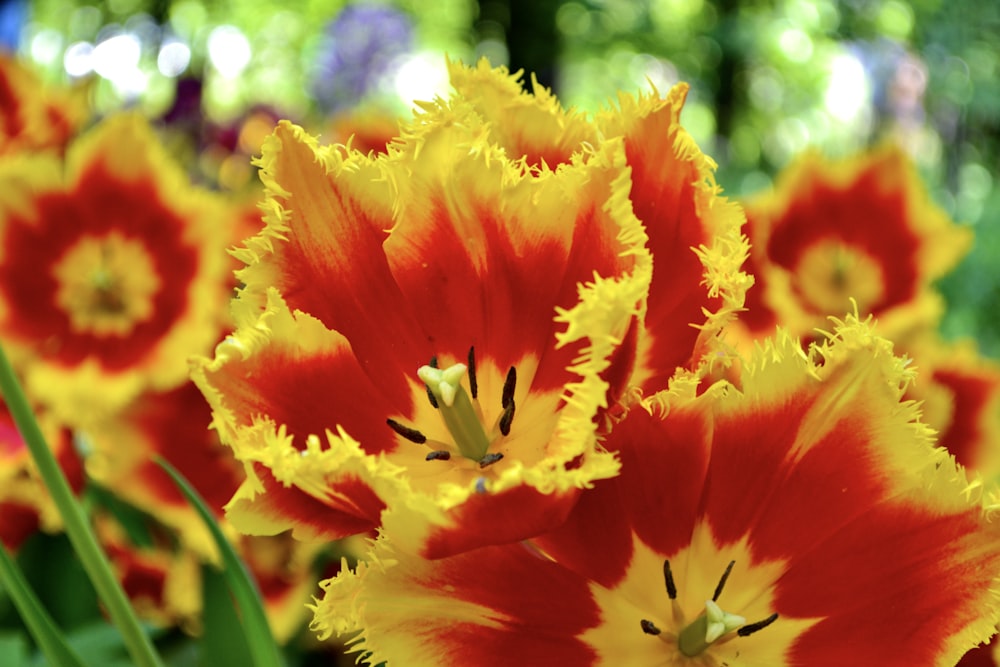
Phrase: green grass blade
(43, 629)
(78, 528)
(263, 649)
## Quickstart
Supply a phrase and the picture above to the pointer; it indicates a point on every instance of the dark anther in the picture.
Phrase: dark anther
(430, 395)
(649, 628)
(507, 418)
(438, 455)
(722, 581)
(507, 397)
(411, 434)
(751, 628)
(668, 579)
(473, 387)
(490, 459)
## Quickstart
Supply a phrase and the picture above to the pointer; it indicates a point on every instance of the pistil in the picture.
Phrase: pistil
(456, 409)
(707, 628)
(711, 625)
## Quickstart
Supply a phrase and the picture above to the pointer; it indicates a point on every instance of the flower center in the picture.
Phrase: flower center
(461, 413)
(831, 273)
(106, 284)
(711, 625)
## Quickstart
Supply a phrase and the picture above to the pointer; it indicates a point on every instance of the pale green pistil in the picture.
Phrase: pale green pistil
(456, 409)
(707, 628)
(711, 626)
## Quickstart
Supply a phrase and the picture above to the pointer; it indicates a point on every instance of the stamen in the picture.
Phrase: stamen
(649, 628)
(438, 455)
(715, 623)
(473, 386)
(751, 628)
(507, 418)
(722, 581)
(507, 396)
(430, 394)
(411, 434)
(457, 410)
(668, 579)
(490, 459)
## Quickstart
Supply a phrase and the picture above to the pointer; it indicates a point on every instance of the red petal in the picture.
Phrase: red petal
(496, 606)
(351, 507)
(498, 518)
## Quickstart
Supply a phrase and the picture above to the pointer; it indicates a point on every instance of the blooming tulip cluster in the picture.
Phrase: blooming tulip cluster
(559, 400)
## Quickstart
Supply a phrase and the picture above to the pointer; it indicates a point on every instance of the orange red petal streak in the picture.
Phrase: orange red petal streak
(351, 506)
(499, 518)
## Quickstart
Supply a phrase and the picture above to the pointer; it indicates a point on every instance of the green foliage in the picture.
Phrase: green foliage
(262, 648)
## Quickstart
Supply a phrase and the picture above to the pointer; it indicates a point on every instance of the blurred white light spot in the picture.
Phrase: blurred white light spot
(79, 59)
(117, 57)
(847, 91)
(174, 58)
(131, 82)
(229, 50)
(796, 45)
(648, 70)
(46, 46)
(420, 76)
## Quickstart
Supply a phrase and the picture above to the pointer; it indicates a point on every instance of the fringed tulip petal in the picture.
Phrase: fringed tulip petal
(804, 518)
(529, 126)
(328, 213)
(494, 606)
(512, 290)
(694, 235)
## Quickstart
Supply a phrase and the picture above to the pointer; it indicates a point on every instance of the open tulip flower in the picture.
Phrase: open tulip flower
(805, 518)
(440, 330)
(112, 271)
(862, 228)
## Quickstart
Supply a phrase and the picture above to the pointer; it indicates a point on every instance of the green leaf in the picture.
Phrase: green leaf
(134, 521)
(100, 644)
(56, 575)
(222, 642)
(264, 650)
(43, 629)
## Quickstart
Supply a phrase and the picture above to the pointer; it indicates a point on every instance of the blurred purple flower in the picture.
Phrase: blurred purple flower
(358, 50)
